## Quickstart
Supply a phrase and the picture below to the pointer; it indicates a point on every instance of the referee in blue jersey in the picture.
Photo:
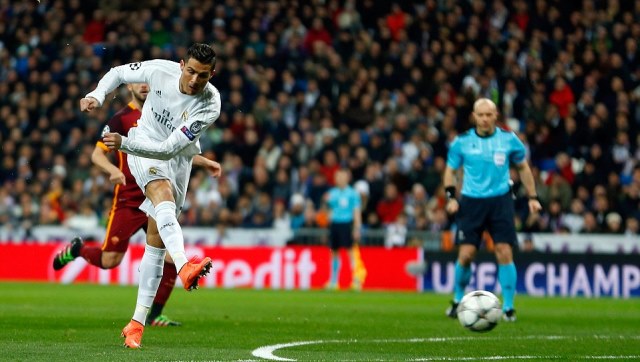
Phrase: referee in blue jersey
(345, 222)
(485, 154)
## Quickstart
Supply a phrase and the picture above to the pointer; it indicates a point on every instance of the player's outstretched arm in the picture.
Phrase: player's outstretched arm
(213, 167)
(100, 159)
(166, 150)
(128, 73)
(88, 104)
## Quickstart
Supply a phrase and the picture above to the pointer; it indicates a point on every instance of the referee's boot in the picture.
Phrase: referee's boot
(68, 254)
(452, 311)
(509, 315)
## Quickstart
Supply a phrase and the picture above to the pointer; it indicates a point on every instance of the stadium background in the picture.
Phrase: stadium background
(377, 86)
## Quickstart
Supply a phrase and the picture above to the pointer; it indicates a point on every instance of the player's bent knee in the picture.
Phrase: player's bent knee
(158, 191)
(466, 254)
(504, 253)
(111, 260)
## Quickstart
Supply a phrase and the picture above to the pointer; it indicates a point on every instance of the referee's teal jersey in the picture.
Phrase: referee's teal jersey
(343, 203)
(485, 161)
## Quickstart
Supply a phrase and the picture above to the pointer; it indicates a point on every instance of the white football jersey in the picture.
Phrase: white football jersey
(171, 122)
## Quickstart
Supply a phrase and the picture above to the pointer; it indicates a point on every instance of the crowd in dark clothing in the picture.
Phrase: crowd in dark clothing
(376, 86)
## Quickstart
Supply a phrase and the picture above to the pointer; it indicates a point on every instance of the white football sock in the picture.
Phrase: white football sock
(171, 232)
(151, 267)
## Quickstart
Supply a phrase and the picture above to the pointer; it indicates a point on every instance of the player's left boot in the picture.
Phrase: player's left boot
(356, 285)
(509, 315)
(69, 253)
(331, 286)
(132, 334)
(192, 271)
(163, 321)
(452, 311)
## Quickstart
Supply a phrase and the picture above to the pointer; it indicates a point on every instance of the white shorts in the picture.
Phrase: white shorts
(177, 170)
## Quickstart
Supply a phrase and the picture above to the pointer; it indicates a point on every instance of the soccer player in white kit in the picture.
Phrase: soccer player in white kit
(182, 103)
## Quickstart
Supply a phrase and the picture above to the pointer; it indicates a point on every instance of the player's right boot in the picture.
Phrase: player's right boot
(509, 315)
(132, 334)
(331, 286)
(452, 311)
(69, 253)
(192, 271)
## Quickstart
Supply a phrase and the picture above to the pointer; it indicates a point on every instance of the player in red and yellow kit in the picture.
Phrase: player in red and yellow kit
(125, 218)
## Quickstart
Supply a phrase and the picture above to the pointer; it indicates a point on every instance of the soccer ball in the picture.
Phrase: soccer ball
(479, 311)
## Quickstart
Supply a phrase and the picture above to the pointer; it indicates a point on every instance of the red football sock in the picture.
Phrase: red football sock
(167, 282)
(92, 254)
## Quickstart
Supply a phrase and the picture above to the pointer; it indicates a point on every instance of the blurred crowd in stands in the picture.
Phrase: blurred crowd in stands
(308, 87)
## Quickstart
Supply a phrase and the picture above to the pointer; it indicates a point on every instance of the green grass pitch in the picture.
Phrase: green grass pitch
(51, 322)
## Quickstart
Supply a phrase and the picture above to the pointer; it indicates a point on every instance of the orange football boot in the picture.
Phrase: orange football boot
(132, 334)
(192, 271)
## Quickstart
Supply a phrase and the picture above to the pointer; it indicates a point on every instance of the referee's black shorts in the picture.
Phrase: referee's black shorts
(494, 214)
(340, 235)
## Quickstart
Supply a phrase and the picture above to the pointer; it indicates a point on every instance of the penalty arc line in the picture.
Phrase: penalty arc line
(267, 352)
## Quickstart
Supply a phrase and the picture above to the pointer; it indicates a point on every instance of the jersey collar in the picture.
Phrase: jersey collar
(487, 136)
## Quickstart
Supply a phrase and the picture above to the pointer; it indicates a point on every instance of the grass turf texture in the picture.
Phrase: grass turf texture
(51, 322)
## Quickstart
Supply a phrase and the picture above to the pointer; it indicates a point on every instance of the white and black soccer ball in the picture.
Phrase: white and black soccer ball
(479, 311)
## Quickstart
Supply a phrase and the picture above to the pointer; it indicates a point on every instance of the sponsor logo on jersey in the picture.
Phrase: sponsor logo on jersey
(163, 118)
(159, 93)
(196, 127)
(105, 130)
(188, 133)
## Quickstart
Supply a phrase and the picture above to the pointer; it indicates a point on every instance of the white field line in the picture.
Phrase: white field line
(267, 352)
(525, 357)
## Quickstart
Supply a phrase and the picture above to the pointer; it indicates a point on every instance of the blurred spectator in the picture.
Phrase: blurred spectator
(297, 208)
(574, 219)
(396, 232)
(84, 220)
(527, 244)
(391, 206)
(281, 219)
(590, 225)
(562, 97)
(632, 227)
(359, 84)
(614, 224)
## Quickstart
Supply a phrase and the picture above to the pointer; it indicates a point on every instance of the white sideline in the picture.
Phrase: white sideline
(267, 352)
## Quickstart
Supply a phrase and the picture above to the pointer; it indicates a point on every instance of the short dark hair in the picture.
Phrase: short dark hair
(203, 53)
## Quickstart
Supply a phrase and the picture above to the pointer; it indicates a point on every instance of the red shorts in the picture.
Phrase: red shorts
(124, 221)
